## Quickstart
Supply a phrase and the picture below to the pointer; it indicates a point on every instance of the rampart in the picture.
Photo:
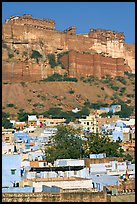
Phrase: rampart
(67, 197)
(55, 197)
(27, 19)
(79, 64)
(106, 51)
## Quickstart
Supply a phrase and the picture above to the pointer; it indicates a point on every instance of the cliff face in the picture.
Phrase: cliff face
(24, 34)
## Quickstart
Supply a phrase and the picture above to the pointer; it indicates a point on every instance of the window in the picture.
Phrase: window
(13, 171)
(87, 123)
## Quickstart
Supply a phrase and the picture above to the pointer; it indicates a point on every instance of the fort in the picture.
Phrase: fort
(99, 52)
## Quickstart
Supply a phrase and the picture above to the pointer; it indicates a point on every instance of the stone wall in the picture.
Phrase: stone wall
(89, 161)
(55, 197)
(28, 20)
(80, 64)
(123, 198)
(107, 49)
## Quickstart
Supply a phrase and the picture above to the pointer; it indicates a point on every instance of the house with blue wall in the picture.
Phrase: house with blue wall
(11, 170)
(21, 137)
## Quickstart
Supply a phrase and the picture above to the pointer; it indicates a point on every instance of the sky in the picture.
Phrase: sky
(115, 16)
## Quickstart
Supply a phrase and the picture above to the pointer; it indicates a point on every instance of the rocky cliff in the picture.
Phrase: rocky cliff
(99, 52)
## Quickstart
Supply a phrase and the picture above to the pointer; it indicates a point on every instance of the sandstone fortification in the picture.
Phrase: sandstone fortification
(99, 52)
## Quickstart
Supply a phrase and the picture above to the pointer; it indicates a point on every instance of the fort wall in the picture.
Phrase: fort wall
(105, 48)
(93, 65)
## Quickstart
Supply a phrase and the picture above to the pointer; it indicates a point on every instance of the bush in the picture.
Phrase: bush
(71, 91)
(36, 55)
(38, 105)
(59, 77)
(10, 55)
(115, 88)
(130, 95)
(52, 61)
(130, 75)
(107, 79)
(22, 115)
(25, 53)
(123, 89)
(10, 105)
(89, 79)
(121, 79)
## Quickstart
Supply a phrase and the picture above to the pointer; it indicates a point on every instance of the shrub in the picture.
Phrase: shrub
(52, 61)
(128, 101)
(23, 83)
(115, 88)
(121, 79)
(71, 91)
(36, 55)
(130, 95)
(89, 79)
(10, 55)
(87, 103)
(107, 79)
(25, 53)
(130, 75)
(123, 89)
(59, 77)
(22, 115)
(38, 105)
(11, 105)
(43, 97)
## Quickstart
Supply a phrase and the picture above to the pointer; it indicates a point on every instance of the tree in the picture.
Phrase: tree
(100, 143)
(6, 123)
(5, 120)
(66, 144)
(22, 115)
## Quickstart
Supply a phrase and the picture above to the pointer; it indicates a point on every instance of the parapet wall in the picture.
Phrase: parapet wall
(55, 197)
(28, 20)
(105, 35)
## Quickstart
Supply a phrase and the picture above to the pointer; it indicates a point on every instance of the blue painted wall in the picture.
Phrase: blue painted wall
(10, 162)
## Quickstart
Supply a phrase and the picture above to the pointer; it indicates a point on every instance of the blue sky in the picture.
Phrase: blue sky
(116, 16)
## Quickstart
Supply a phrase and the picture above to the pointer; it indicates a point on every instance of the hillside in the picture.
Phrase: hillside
(40, 96)
(32, 50)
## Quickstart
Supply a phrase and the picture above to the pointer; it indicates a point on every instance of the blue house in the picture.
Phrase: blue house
(21, 137)
(11, 170)
(99, 181)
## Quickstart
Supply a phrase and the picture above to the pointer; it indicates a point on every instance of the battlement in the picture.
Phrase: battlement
(71, 30)
(106, 35)
(27, 19)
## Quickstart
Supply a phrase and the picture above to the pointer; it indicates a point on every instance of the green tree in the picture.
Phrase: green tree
(66, 144)
(22, 115)
(5, 120)
(6, 123)
(100, 143)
